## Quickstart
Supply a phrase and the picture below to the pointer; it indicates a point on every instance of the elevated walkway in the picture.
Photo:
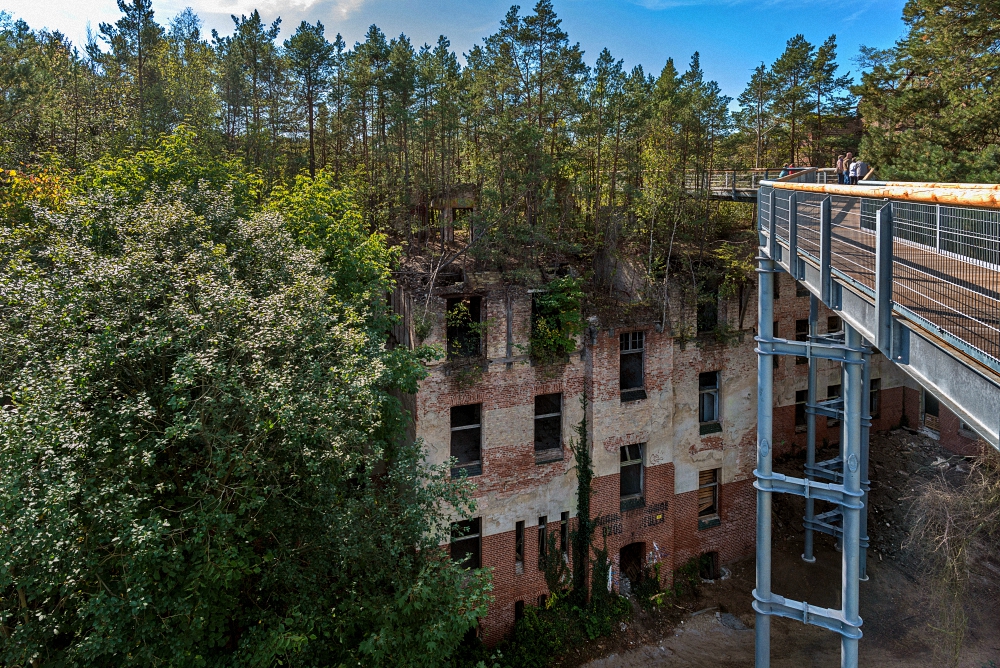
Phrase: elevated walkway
(913, 269)
(742, 185)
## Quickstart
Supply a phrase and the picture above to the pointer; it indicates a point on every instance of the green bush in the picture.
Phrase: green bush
(556, 322)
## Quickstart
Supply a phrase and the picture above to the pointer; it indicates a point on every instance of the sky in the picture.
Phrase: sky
(732, 36)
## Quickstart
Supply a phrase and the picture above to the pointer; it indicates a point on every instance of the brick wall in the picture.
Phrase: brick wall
(514, 487)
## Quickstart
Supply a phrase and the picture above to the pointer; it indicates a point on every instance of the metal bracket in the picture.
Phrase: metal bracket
(883, 280)
(824, 351)
(810, 489)
(827, 618)
(825, 253)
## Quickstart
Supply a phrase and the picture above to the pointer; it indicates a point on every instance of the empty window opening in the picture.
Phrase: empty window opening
(833, 392)
(801, 290)
(564, 533)
(519, 547)
(633, 351)
(466, 439)
(874, 391)
(630, 560)
(543, 541)
(931, 410)
(834, 324)
(777, 286)
(548, 422)
(631, 476)
(708, 493)
(801, 334)
(708, 566)
(465, 327)
(708, 311)
(518, 611)
(776, 358)
(466, 546)
(708, 402)
(801, 396)
(543, 600)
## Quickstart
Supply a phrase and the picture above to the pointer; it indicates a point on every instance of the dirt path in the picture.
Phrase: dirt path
(899, 617)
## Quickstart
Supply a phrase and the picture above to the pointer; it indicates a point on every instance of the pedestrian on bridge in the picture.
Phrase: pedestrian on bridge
(840, 170)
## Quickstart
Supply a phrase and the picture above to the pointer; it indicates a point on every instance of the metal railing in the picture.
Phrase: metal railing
(945, 264)
(727, 181)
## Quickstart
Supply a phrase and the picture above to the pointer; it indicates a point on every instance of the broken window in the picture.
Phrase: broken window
(466, 544)
(801, 334)
(519, 547)
(465, 327)
(708, 398)
(548, 422)
(874, 388)
(466, 439)
(632, 381)
(801, 397)
(543, 541)
(833, 392)
(564, 533)
(708, 311)
(774, 333)
(631, 476)
(708, 494)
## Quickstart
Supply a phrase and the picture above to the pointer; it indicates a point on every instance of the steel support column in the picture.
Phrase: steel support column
(807, 554)
(851, 562)
(765, 406)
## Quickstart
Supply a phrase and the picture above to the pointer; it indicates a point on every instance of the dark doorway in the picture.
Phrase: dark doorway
(708, 566)
(630, 559)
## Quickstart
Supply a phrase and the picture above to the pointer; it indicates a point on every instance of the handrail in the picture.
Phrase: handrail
(931, 184)
(978, 197)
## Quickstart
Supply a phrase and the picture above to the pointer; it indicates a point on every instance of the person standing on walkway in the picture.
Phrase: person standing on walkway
(784, 172)
(853, 172)
(863, 169)
(840, 170)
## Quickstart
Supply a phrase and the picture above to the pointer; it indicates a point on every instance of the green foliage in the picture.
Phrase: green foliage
(325, 218)
(555, 566)
(583, 536)
(557, 321)
(181, 162)
(930, 103)
(202, 459)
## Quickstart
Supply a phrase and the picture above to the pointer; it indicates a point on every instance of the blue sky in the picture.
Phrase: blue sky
(733, 36)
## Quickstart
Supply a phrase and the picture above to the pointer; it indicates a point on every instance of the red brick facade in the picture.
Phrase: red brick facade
(677, 448)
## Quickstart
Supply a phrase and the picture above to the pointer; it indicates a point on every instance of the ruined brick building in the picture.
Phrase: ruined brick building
(671, 424)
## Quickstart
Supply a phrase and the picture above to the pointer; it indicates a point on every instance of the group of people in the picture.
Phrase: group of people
(851, 169)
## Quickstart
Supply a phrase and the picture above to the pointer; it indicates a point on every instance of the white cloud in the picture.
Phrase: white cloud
(342, 8)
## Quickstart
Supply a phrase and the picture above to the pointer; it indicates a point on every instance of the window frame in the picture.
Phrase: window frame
(804, 396)
(633, 499)
(713, 516)
(474, 467)
(552, 453)
(801, 335)
(452, 343)
(475, 526)
(714, 425)
(543, 540)
(632, 343)
(519, 547)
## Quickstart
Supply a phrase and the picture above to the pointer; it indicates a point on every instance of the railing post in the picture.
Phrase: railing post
(937, 227)
(883, 280)
(793, 232)
(772, 228)
(825, 253)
